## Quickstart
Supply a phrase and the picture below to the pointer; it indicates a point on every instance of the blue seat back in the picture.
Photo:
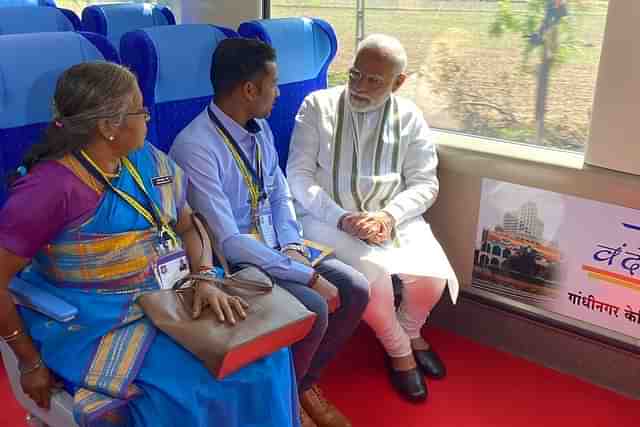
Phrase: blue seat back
(305, 48)
(173, 65)
(11, 3)
(27, 85)
(27, 19)
(114, 20)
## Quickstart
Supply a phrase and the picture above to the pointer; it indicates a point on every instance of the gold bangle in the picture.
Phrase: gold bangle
(13, 336)
(37, 365)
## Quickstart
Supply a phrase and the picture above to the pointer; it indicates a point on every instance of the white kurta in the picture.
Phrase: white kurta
(385, 160)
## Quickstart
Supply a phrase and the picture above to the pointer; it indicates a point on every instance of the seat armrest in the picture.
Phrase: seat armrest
(32, 296)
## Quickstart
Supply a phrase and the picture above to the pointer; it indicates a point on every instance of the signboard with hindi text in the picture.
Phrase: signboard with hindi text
(561, 254)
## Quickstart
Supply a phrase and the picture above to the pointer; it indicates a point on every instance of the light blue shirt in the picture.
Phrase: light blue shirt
(218, 191)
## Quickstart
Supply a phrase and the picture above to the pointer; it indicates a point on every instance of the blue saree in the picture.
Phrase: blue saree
(123, 371)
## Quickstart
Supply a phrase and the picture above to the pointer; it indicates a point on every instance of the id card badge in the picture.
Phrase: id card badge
(265, 225)
(171, 267)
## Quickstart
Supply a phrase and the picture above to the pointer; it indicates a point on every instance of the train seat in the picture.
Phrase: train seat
(27, 19)
(27, 84)
(12, 3)
(305, 47)
(114, 20)
(175, 81)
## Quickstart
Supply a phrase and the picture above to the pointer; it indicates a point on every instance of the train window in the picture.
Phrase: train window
(512, 70)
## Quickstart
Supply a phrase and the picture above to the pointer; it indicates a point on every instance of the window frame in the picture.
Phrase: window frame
(530, 152)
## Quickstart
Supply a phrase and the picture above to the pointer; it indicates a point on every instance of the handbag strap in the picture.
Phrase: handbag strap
(227, 281)
(200, 220)
(250, 285)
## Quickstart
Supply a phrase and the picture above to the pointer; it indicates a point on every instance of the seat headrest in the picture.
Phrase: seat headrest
(10, 3)
(303, 46)
(27, 19)
(114, 20)
(30, 65)
(172, 62)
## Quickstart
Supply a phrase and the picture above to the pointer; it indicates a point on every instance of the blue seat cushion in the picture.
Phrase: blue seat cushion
(9, 3)
(28, 80)
(114, 20)
(304, 50)
(27, 84)
(175, 116)
(282, 118)
(302, 47)
(25, 19)
(173, 65)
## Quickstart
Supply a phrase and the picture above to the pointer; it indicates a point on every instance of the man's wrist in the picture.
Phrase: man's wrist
(389, 220)
(341, 220)
(314, 280)
(296, 247)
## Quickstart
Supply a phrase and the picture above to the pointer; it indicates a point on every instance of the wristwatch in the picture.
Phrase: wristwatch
(301, 249)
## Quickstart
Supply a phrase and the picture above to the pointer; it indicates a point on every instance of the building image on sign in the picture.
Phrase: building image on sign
(513, 259)
(524, 221)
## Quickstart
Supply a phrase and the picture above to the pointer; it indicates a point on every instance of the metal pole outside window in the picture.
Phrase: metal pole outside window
(360, 6)
(266, 9)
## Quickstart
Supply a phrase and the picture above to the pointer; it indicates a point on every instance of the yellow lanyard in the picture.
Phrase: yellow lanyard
(254, 190)
(160, 224)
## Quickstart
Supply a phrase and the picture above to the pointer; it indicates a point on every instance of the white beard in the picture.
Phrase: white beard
(360, 107)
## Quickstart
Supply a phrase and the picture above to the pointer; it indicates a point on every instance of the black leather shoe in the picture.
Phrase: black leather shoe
(410, 384)
(430, 363)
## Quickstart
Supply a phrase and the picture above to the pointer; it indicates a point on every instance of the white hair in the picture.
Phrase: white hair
(388, 45)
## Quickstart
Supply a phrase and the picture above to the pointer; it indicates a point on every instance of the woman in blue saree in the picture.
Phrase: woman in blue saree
(90, 217)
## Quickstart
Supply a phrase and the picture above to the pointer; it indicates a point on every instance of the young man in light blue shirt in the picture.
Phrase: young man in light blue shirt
(235, 181)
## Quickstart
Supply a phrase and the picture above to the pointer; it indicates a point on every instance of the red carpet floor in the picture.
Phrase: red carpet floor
(484, 388)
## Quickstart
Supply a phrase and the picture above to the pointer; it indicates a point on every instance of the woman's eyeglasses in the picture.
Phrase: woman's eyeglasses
(143, 112)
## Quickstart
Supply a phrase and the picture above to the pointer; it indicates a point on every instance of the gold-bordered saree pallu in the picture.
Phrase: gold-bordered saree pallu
(100, 266)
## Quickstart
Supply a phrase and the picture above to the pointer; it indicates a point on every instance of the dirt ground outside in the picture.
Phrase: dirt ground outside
(463, 78)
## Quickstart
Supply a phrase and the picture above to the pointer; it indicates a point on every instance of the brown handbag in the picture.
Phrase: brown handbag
(275, 318)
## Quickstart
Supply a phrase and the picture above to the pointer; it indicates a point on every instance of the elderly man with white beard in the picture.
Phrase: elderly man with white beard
(362, 169)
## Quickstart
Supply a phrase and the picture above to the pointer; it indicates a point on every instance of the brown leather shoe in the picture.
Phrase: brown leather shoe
(322, 412)
(305, 419)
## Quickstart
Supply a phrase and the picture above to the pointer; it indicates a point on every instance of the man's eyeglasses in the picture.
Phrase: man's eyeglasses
(373, 80)
(143, 112)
